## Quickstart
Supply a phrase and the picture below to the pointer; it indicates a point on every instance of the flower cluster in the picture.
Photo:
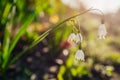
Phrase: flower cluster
(76, 38)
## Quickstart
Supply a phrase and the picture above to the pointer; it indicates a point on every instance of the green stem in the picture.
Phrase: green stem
(90, 9)
(80, 45)
(58, 25)
(40, 38)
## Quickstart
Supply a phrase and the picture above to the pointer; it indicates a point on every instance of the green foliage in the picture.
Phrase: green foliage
(13, 25)
(24, 16)
(61, 73)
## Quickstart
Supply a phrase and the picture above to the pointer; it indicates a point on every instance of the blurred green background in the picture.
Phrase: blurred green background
(48, 56)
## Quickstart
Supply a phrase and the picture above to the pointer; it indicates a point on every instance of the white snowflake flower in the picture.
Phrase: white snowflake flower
(102, 31)
(72, 37)
(78, 38)
(80, 55)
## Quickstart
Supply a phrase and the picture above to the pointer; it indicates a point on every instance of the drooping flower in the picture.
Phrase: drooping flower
(78, 38)
(72, 37)
(79, 55)
(102, 31)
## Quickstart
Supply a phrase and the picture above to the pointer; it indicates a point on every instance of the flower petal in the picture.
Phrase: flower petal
(79, 55)
(78, 38)
(72, 37)
(102, 31)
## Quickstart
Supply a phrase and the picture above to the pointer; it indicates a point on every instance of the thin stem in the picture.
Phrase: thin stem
(78, 26)
(90, 9)
(99, 11)
(80, 45)
(75, 26)
(57, 26)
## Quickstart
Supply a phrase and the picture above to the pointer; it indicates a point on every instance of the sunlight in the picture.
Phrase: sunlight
(104, 5)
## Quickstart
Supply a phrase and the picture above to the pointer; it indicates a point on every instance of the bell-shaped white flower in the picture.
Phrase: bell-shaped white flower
(78, 38)
(79, 55)
(72, 37)
(102, 31)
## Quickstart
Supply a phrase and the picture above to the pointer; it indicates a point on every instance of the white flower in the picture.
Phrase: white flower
(102, 31)
(72, 37)
(78, 38)
(79, 55)
(75, 37)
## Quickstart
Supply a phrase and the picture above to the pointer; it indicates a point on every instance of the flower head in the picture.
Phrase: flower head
(78, 38)
(102, 31)
(79, 55)
(72, 37)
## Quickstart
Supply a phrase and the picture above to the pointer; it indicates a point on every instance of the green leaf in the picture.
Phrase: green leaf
(36, 41)
(61, 72)
(6, 42)
(0, 59)
(6, 12)
(16, 38)
(73, 71)
(21, 32)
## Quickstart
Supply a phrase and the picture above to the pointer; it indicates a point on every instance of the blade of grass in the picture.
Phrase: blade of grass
(1, 60)
(6, 13)
(21, 32)
(6, 42)
(40, 38)
(7, 34)
(16, 38)
(3, 5)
